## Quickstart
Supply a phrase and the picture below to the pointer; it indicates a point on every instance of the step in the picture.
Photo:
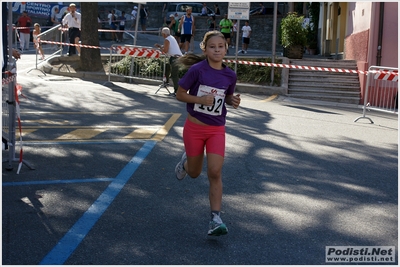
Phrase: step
(325, 86)
(324, 92)
(322, 73)
(339, 87)
(325, 63)
(339, 99)
(296, 100)
(323, 81)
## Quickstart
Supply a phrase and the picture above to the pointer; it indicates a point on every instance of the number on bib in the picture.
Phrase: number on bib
(216, 108)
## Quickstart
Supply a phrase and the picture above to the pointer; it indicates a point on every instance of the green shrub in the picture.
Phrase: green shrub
(141, 66)
(245, 73)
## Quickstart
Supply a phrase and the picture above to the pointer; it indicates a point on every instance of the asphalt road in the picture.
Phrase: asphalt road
(297, 178)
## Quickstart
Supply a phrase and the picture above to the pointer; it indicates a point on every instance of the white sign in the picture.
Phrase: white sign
(239, 10)
(238, 13)
(239, 5)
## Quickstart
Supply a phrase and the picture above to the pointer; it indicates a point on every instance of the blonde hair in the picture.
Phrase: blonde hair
(36, 24)
(190, 59)
(208, 36)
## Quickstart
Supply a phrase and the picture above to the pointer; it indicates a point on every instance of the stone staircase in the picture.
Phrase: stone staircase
(322, 85)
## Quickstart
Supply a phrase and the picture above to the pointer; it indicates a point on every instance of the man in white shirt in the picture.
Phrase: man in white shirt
(134, 15)
(171, 49)
(246, 32)
(73, 21)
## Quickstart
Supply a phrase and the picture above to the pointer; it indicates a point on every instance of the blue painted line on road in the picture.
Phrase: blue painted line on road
(67, 245)
(71, 181)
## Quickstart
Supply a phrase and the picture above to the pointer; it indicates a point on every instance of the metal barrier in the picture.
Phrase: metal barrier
(10, 110)
(381, 92)
(137, 62)
(55, 34)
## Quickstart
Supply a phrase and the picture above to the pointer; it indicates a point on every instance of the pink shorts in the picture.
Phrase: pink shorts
(196, 137)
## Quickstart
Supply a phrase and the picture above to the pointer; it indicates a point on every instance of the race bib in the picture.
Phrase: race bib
(216, 108)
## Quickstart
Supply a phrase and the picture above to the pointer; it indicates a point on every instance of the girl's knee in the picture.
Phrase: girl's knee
(194, 174)
(214, 173)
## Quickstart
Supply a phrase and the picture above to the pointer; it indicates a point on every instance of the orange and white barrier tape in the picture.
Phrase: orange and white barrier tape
(387, 75)
(123, 50)
(138, 51)
(69, 44)
(288, 66)
(9, 79)
(18, 89)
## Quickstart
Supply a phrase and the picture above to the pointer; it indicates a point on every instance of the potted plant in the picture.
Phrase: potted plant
(293, 35)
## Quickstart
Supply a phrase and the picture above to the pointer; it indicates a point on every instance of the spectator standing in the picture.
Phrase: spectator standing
(174, 26)
(233, 33)
(64, 34)
(15, 53)
(73, 21)
(143, 15)
(134, 16)
(122, 21)
(216, 10)
(246, 32)
(54, 19)
(187, 29)
(36, 31)
(171, 48)
(206, 88)
(211, 23)
(25, 33)
(225, 26)
(53, 22)
(112, 20)
(204, 10)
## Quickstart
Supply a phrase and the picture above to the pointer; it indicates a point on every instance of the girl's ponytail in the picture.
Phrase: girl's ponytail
(188, 60)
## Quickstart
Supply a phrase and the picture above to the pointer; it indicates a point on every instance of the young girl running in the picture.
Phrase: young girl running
(206, 87)
(36, 31)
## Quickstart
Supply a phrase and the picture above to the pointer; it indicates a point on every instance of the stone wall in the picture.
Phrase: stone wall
(261, 25)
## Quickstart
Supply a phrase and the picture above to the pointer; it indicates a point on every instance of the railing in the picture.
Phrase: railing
(10, 115)
(381, 92)
(137, 62)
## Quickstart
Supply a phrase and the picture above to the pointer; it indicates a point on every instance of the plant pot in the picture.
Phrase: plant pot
(294, 51)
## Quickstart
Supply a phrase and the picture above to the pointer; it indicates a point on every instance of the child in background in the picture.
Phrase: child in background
(36, 31)
(246, 32)
(122, 21)
(206, 87)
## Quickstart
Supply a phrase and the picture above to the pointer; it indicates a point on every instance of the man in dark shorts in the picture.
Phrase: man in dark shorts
(186, 28)
(73, 20)
(174, 26)
(225, 25)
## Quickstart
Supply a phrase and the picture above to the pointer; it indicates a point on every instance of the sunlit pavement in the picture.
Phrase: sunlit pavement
(296, 178)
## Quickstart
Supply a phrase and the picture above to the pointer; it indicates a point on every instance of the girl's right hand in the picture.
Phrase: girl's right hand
(207, 100)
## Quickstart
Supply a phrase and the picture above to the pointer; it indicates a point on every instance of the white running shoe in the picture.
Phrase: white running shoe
(179, 170)
(217, 227)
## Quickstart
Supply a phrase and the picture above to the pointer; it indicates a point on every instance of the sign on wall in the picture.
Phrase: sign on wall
(238, 10)
(38, 9)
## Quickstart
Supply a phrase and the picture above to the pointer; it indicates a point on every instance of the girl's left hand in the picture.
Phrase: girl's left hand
(236, 101)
